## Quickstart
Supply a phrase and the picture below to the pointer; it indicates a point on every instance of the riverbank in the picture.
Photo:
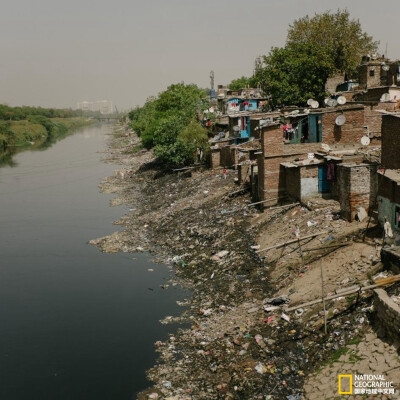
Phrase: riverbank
(32, 133)
(239, 345)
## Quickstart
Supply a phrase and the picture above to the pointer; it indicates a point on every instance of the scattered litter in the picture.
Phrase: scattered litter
(270, 308)
(285, 317)
(276, 301)
(261, 368)
(329, 238)
(362, 214)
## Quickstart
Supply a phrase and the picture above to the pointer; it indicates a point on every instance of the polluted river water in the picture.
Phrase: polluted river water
(75, 323)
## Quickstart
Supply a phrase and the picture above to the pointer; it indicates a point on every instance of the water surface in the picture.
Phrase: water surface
(75, 323)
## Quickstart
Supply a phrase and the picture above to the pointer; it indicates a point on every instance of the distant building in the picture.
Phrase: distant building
(102, 106)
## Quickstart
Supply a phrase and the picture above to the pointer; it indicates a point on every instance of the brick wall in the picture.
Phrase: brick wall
(356, 187)
(365, 80)
(215, 158)
(390, 142)
(373, 118)
(388, 314)
(351, 132)
(271, 176)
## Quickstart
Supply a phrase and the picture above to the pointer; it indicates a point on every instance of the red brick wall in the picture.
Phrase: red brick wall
(351, 132)
(367, 81)
(271, 176)
(272, 139)
(390, 142)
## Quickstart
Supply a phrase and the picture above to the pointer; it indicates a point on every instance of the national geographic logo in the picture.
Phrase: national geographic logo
(364, 384)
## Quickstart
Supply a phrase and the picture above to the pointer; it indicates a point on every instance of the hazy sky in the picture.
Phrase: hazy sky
(56, 53)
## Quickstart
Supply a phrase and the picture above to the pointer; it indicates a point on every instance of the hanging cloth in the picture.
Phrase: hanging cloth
(330, 175)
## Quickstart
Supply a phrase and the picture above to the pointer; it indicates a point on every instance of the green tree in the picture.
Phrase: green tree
(339, 36)
(161, 123)
(293, 74)
(243, 82)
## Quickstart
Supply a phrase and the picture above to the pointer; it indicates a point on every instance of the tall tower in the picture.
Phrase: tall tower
(212, 93)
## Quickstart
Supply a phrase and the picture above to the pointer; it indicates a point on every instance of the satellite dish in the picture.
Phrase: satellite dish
(340, 120)
(211, 109)
(385, 98)
(314, 104)
(341, 100)
(306, 111)
(295, 112)
(385, 67)
(309, 101)
(326, 100)
(332, 103)
(365, 141)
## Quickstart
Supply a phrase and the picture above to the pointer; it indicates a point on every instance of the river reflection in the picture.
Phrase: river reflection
(75, 323)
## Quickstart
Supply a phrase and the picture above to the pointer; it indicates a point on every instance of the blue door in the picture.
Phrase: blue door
(315, 128)
(323, 183)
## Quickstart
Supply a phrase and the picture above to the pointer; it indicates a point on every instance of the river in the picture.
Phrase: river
(75, 323)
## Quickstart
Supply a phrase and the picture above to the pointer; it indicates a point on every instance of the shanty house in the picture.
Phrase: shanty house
(389, 175)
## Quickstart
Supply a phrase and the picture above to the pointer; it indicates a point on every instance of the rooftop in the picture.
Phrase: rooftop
(392, 174)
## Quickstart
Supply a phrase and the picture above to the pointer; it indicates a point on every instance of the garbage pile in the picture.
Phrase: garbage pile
(241, 343)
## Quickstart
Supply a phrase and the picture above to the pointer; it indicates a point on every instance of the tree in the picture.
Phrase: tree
(163, 121)
(340, 37)
(243, 82)
(293, 74)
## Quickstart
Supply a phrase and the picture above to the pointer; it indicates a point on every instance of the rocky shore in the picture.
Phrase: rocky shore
(239, 342)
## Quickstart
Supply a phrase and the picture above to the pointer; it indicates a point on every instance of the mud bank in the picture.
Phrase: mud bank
(241, 343)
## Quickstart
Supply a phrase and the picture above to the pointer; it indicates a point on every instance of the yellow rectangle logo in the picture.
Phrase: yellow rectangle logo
(350, 384)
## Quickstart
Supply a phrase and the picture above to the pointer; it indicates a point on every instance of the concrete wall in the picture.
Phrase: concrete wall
(388, 314)
(390, 142)
(308, 181)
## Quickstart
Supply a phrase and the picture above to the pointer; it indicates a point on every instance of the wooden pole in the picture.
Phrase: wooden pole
(301, 252)
(380, 282)
(323, 296)
(335, 246)
(277, 246)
